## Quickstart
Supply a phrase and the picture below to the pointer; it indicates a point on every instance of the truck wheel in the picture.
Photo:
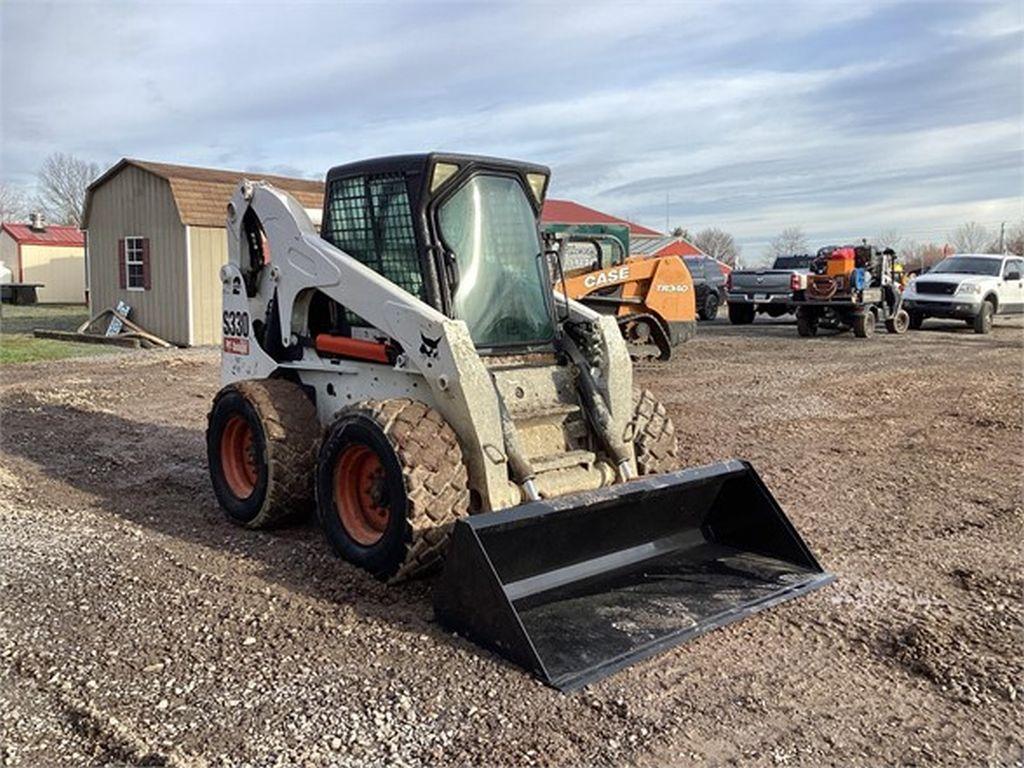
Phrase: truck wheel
(390, 484)
(741, 314)
(864, 324)
(709, 307)
(916, 321)
(898, 323)
(806, 323)
(261, 440)
(983, 320)
(654, 435)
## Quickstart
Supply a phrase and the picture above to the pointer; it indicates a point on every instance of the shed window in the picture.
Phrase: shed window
(134, 258)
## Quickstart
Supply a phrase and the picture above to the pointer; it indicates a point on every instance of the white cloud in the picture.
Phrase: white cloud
(751, 116)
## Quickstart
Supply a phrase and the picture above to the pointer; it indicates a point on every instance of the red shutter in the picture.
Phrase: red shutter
(147, 282)
(122, 271)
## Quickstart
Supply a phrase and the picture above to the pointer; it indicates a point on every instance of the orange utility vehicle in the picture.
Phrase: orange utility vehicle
(652, 298)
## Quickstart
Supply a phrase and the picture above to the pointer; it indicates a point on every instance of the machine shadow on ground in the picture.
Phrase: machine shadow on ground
(155, 476)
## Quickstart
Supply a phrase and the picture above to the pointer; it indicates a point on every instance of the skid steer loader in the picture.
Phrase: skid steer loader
(410, 372)
(651, 297)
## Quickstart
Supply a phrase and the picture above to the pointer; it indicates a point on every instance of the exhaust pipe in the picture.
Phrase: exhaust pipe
(578, 587)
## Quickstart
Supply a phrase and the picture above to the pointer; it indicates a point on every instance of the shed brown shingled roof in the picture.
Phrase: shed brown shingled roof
(202, 194)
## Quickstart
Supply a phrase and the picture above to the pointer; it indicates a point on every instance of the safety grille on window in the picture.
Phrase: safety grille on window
(369, 218)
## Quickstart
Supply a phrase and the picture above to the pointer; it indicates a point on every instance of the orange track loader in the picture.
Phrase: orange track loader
(651, 298)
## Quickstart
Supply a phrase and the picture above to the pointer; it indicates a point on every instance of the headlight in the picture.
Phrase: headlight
(969, 288)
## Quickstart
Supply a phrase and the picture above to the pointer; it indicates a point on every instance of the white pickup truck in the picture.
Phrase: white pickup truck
(771, 291)
(971, 286)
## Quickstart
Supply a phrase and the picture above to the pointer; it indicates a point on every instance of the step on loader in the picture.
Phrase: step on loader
(409, 372)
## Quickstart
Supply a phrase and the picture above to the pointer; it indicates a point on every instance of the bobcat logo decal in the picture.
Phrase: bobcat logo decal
(429, 346)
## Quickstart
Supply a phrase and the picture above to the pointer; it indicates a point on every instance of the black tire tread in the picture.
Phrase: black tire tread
(433, 471)
(806, 326)
(292, 434)
(741, 314)
(654, 435)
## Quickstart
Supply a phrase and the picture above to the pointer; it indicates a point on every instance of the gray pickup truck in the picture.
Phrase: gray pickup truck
(770, 291)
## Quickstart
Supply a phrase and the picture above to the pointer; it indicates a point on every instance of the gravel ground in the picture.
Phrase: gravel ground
(137, 626)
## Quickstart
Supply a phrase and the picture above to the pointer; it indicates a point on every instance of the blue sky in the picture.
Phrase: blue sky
(845, 118)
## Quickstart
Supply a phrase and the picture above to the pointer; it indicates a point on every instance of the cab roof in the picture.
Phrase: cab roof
(419, 163)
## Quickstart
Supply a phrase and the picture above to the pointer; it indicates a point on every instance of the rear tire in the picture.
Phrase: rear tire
(261, 441)
(898, 323)
(916, 321)
(741, 314)
(654, 435)
(806, 324)
(709, 307)
(390, 484)
(864, 324)
(983, 320)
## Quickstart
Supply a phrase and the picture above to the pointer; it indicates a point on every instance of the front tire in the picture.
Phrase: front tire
(390, 484)
(654, 435)
(983, 320)
(741, 314)
(261, 440)
(898, 323)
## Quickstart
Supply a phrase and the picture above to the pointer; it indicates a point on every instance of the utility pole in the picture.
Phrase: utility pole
(1002, 238)
(666, 213)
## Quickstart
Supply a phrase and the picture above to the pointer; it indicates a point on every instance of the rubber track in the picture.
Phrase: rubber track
(654, 440)
(293, 437)
(435, 477)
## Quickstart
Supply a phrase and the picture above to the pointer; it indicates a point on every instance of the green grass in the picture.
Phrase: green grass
(18, 345)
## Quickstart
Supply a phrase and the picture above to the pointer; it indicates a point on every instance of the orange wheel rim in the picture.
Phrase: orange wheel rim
(238, 457)
(360, 494)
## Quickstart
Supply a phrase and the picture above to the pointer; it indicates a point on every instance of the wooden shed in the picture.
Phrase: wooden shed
(157, 239)
(48, 254)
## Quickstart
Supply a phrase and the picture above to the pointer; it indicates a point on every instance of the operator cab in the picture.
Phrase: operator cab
(460, 232)
(587, 248)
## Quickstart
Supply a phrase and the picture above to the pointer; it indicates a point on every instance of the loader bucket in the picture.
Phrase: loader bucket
(576, 588)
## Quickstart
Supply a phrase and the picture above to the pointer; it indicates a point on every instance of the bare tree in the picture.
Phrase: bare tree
(682, 232)
(13, 206)
(889, 238)
(63, 180)
(790, 241)
(971, 237)
(921, 256)
(717, 244)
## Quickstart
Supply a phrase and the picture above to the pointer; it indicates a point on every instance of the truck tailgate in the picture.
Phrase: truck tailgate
(761, 281)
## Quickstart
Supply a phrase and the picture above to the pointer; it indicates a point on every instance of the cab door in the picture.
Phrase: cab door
(1012, 298)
